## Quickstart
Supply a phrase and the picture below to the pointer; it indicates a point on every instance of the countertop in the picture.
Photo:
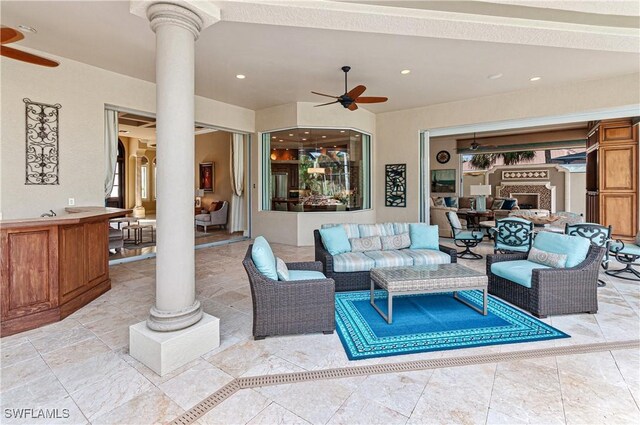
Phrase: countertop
(75, 215)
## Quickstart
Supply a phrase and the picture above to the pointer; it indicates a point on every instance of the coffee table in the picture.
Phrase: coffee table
(426, 279)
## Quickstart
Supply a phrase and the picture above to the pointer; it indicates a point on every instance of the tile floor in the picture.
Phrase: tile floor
(81, 364)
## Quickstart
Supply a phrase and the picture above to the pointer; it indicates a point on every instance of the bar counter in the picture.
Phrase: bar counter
(52, 266)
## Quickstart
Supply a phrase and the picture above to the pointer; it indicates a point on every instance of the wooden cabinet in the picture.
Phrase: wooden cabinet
(612, 176)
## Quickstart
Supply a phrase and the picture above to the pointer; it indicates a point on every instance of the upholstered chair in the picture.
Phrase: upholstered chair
(214, 218)
(464, 238)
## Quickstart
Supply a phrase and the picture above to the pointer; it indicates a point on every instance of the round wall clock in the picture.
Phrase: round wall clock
(443, 157)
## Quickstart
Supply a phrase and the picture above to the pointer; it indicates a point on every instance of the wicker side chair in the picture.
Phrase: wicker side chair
(290, 307)
(553, 291)
(597, 234)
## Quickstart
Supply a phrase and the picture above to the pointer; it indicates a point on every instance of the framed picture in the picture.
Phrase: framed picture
(443, 181)
(206, 176)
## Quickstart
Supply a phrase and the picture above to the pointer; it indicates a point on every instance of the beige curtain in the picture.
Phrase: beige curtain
(237, 182)
(110, 148)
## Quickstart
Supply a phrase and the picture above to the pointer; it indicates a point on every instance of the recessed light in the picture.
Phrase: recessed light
(241, 76)
(535, 78)
(495, 76)
(341, 131)
(290, 134)
(405, 71)
(306, 132)
(27, 28)
(357, 135)
(334, 146)
(281, 140)
(324, 137)
(304, 138)
(273, 137)
(287, 149)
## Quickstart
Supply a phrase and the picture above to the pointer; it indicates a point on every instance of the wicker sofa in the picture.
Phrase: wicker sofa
(290, 307)
(359, 280)
(553, 290)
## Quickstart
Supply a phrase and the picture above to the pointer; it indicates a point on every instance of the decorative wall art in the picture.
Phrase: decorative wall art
(443, 157)
(206, 176)
(443, 181)
(526, 175)
(41, 129)
(396, 185)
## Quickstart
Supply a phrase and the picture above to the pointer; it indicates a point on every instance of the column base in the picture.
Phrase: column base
(164, 352)
(138, 212)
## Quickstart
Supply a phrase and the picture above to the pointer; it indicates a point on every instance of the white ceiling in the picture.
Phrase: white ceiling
(284, 63)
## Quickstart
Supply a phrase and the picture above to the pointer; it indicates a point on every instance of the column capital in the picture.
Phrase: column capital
(188, 14)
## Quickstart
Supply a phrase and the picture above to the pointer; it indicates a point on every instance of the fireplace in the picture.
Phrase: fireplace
(527, 201)
(531, 195)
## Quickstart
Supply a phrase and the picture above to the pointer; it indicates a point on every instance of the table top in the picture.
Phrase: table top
(487, 213)
(445, 276)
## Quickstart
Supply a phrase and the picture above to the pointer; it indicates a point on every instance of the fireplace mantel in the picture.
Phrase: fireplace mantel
(546, 193)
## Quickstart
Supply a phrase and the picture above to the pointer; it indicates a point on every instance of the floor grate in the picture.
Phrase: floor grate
(237, 384)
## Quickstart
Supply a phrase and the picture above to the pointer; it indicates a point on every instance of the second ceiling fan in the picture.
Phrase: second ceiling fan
(350, 98)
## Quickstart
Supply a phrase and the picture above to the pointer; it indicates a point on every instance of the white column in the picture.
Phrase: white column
(138, 209)
(176, 331)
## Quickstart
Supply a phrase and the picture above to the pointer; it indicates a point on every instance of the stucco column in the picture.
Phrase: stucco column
(138, 209)
(176, 30)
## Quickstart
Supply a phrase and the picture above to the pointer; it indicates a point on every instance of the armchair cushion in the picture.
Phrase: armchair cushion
(423, 236)
(469, 235)
(263, 258)
(335, 240)
(282, 269)
(629, 248)
(518, 271)
(550, 259)
(575, 248)
(521, 248)
(305, 275)
(203, 217)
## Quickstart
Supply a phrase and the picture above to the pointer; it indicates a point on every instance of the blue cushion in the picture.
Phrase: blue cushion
(521, 248)
(395, 258)
(335, 240)
(352, 262)
(423, 236)
(519, 271)
(469, 235)
(263, 258)
(629, 248)
(425, 257)
(305, 275)
(508, 204)
(575, 248)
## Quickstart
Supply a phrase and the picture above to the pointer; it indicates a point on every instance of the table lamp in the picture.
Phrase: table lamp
(199, 194)
(480, 191)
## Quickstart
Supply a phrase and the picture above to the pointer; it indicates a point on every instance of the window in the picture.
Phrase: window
(309, 170)
(115, 190)
(144, 178)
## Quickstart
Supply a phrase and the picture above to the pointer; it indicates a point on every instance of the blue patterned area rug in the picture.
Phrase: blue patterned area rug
(430, 322)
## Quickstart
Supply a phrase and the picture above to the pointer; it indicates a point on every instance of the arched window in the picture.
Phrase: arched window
(116, 198)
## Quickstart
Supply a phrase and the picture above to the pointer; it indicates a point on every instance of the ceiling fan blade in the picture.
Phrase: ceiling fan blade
(371, 99)
(352, 107)
(322, 94)
(26, 57)
(9, 35)
(356, 91)
(325, 104)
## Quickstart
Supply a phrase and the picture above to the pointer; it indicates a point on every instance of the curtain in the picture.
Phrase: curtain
(237, 183)
(110, 148)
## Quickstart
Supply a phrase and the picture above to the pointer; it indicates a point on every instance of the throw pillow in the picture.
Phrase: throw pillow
(508, 204)
(545, 258)
(575, 248)
(371, 243)
(335, 240)
(439, 202)
(464, 202)
(263, 258)
(282, 269)
(400, 241)
(497, 204)
(423, 236)
(451, 201)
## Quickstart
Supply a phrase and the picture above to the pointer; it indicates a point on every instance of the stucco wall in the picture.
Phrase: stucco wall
(398, 133)
(215, 147)
(83, 91)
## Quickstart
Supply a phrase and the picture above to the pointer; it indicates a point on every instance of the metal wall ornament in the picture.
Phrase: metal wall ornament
(396, 185)
(41, 130)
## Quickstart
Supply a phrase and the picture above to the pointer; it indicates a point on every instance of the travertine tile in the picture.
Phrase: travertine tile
(24, 373)
(359, 410)
(17, 353)
(151, 407)
(60, 339)
(276, 414)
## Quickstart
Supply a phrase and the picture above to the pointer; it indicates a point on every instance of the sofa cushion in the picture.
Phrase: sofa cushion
(335, 240)
(352, 262)
(390, 258)
(451, 201)
(508, 204)
(381, 229)
(546, 258)
(400, 228)
(305, 275)
(423, 236)
(497, 204)
(395, 241)
(350, 228)
(575, 248)
(281, 269)
(439, 202)
(263, 258)
(372, 243)
(426, 257)
(203, 217)
(519, 271)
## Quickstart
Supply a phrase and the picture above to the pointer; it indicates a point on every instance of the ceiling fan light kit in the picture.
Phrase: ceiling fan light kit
(350, 99)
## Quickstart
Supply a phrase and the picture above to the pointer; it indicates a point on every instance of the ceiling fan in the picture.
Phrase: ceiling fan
(10, 35)
(474, 145)
(350, 99)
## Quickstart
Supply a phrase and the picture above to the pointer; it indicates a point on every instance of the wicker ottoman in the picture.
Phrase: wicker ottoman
(426, 279)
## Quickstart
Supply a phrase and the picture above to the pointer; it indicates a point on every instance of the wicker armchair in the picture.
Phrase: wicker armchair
(291, 307)
(353, 281)
(553, 291)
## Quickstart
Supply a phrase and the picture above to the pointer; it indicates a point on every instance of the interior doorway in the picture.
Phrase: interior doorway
(118, 192)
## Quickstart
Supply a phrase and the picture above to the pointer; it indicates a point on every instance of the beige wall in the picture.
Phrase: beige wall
(215, 147)
(577, 198)
(83, 91)
(398, 133)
